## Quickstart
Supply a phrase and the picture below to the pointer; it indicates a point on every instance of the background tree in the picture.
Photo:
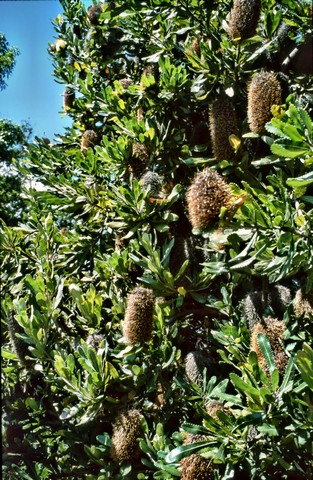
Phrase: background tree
(159, 299)
(12, 140)
(7, 59)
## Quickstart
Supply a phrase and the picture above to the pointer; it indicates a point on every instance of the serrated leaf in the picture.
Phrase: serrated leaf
(304, 360)
(185, 450)
(307, 122)
(300, 181)
(266, 350)
(288, 151)
(287, 382)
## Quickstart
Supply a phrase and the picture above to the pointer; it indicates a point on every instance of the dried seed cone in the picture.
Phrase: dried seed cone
(205, 197)
(195, 363)
(153, 182)
(94, 340)
(19, 346)
(195, 46)
(215, 406)
(194, 466)
(279, 297)
(223, 123)
(244, 18)
(126, 429)
(137, 325)
(68, 98)
(303, 303)
(88, 140)
(93, 13)
(126, 82)
(191, 253)
(274, 329)
(264, 91)
(138, 160)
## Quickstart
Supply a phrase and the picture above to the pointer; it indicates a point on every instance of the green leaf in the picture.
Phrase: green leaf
(287, 383)
(306, 179)
(268, 429)
(304, 361)
(59, 294)
(246, 388)
(266, 350)
(289, 151)
(185, 450)
(306, 120)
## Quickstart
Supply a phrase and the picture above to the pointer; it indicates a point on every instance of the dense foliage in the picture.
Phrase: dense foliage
(157, 304)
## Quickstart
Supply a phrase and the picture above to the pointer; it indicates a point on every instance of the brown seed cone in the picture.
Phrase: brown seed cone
(137, 325)
(93, 13)
(264, 91)
(139, 114)
(126, 82)
(195, 46)
(68, 98)
(153, 182)
(303, 303)
(194, 466)
(88, 140)
(244, 18)
(179, 254)
(278, 298)
(205, 197)
(126, 429)
(19, 346)
(213, 407)
(138, 162)
(119, 243)
(195, 363)
(274, 329)
(223, 123)
(94, 340)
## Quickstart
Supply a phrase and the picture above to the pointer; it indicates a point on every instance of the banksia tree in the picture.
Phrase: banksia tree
(223, 124)
(264, 91)
(126, 429)
(137, 325)
(140, 261)
(207, 194)
(244, 18)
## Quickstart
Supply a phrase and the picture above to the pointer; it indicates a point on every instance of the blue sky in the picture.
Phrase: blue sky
(32, 93)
